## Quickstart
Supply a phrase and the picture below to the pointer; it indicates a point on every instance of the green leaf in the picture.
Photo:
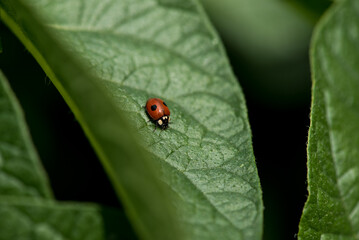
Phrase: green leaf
(166, 49)
(332, 210)
(44, 220)
(21, 173)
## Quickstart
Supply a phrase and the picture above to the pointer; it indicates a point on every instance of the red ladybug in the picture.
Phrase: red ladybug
(158, 112)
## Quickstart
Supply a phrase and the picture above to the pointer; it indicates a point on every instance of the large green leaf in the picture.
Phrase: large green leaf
(21, 173)
(167, 49)
(332, 210)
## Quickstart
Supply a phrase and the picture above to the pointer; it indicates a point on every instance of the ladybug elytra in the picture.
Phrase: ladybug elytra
(158, 112)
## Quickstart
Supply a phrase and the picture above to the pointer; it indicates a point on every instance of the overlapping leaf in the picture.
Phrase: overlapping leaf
(332, 210)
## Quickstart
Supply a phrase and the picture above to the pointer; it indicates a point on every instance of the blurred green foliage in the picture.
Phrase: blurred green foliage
(269, 41)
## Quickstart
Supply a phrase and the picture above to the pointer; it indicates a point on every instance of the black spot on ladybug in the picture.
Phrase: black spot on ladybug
(164, 104)
(153, 107)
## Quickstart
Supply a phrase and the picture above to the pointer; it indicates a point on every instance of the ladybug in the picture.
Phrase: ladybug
(158, 112)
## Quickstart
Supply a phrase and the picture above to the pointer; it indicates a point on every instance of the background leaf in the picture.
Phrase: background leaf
(26, 214)
(43, 219)
(168, 50)
(20, 170)
(331, 211)
(35, 218)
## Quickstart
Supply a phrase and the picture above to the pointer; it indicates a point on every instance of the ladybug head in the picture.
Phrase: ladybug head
(163, 122)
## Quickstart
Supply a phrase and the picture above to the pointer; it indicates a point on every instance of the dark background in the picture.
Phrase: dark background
(279, 118)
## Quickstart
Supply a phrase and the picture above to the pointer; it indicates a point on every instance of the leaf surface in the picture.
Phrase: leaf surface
(332, 209)
(166, 49)
(44, 219)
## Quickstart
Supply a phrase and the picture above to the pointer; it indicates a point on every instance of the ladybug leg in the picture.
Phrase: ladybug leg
(169, 122)
(155, 128)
